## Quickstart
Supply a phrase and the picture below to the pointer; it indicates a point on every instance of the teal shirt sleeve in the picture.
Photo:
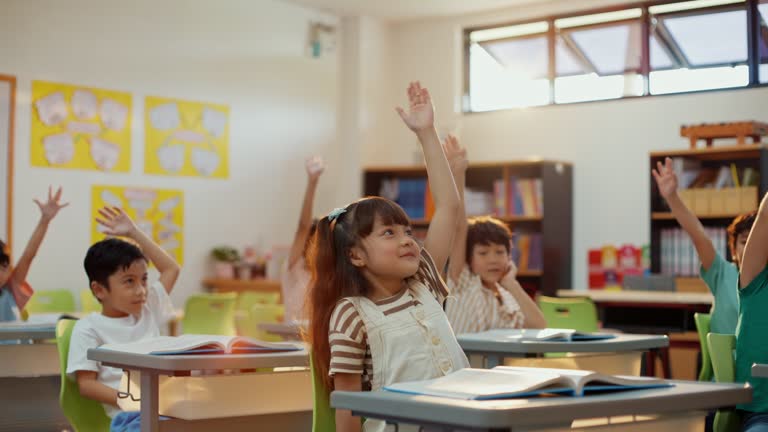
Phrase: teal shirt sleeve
(722, 279)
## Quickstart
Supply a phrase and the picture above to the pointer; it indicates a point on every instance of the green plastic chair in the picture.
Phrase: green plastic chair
(210, 314)
(247, 299)
(702, 327)
(579, 314)
(85, 415)
(88, 302)
(248, 324)
(323, 416)
(721, 352)
(52, 301)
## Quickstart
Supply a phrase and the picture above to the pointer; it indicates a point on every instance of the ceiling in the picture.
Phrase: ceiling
(409, 9)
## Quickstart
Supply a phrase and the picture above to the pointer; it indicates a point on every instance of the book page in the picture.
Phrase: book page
(245, 344)
(471, 383)
(171, 344)
(583, 379)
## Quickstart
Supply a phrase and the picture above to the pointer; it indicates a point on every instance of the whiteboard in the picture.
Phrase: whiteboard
(6, 90)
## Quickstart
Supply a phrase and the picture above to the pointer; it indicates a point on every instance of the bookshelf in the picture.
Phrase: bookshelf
(730, 202)
(551, 224)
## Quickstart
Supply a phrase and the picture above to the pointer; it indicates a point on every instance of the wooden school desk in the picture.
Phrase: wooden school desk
(154, 366)
(664, 409)
(493, 346)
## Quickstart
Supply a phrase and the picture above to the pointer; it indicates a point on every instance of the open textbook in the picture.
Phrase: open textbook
(504, 382)
(201, 344)
(549, 334)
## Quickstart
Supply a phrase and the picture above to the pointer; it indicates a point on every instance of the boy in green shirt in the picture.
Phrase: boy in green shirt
(752, 328)
(720, 275)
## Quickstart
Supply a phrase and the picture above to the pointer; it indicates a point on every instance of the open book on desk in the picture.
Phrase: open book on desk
(505, 382)
(202, 344)
(549, 334)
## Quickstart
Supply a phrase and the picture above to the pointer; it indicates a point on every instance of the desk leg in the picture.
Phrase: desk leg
(149, 402)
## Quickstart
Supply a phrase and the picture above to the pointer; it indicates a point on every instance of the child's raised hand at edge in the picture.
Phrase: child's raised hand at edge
(421, 114)
(315, 167)
(665, 177)
(116, 222)
(50, 208)
(456, 155)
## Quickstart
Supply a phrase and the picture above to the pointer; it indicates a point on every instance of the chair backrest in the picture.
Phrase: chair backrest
(579, 314)
(702, 327)
(51, 301)
(248, 324)
(247, 299)
(210, 314)
(721, 352)
(85, 415)
(323, 416)
(88, 302)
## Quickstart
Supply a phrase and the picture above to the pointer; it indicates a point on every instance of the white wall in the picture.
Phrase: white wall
(249, 54)
(608, 142)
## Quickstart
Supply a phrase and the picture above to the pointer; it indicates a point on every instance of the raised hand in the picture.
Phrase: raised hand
(315, 167)
(421, 114)
(51, 208)
(666, 179)
(116, 222)
(456, 155)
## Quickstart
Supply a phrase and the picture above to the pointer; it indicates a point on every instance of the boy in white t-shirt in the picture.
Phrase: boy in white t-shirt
(130, 310)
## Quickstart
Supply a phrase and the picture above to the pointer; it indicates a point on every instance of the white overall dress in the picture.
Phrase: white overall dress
(411, 346)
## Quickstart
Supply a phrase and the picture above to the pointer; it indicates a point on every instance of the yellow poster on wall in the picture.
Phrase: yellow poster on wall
(78, 127)
(157, 212)
(185, 138)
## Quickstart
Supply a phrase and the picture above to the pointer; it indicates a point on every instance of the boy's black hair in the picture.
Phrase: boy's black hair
(5, 258)
(742, 224)
(486, 230)
(108, 256)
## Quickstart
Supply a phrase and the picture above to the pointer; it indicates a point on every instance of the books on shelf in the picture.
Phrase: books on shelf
(201, 344)
(524, 197)
(678, 254)
(503, 382)
(692, 175)
(527, 251)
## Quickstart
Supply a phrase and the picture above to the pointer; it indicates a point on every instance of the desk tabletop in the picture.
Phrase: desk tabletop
(627, 296)
(760, 370)
(502, 414)
(496, 342)
(181, 363)
(15, 331)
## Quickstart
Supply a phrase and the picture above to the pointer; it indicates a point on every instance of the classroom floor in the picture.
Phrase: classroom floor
(31, 405)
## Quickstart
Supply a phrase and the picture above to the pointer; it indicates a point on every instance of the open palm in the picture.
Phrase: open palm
(315, 167)
(421, 114)
(51, 208)
(665, 177)
(116, 222)
(457, 156)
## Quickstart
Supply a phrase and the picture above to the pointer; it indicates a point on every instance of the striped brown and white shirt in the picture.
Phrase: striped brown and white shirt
(350, 352)
(473, 308)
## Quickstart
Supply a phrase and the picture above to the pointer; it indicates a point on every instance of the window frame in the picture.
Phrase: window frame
(647, 28)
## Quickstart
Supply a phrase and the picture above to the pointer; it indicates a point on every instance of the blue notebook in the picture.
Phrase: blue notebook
(505, 382)
(202, 344)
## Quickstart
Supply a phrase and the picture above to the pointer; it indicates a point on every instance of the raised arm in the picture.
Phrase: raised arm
(117, 223)
(457, 160)
(315, 167)
(48, 211)
(756, 249)
(534, 318)
(666, 179)
(420, 119)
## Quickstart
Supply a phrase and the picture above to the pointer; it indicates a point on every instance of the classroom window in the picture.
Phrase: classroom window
(707, 49)
(601, 57)
(691, 45)
(508, 68)
(762, 35)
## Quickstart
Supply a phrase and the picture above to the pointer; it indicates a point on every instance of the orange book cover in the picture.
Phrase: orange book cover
(525, 251)
(429, 204)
